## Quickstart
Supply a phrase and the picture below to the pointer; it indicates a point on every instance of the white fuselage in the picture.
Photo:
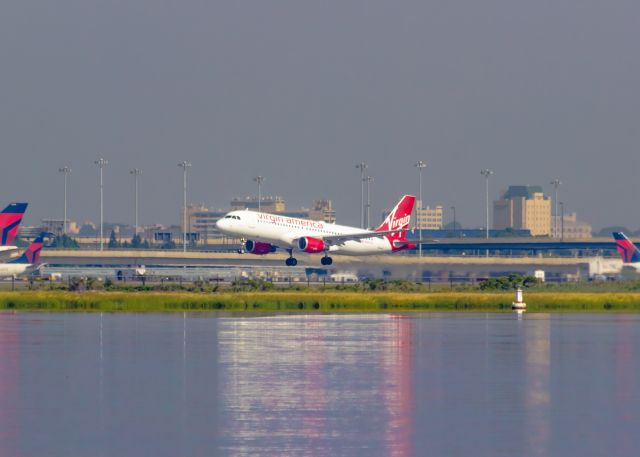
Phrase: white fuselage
(13, 269)
(8, 248)
(606, 267)
(283, 231)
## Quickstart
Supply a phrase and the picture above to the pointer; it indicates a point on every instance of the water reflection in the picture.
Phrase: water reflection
(626, 389)
(351, 385)
(9, 370)
(297, 385)
(537, 366)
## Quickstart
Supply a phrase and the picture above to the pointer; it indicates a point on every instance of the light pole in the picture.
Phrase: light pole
(453, 208)
(135, 172)
(259, 180)
(66, 170)
(101, 163)
(362, 166)
(420, 165)
(486, 173)
(368, 180)
(184, 165)
(556, 183)
(561, 221)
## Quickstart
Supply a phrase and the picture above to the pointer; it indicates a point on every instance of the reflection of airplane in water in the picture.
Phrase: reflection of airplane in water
(27, 262)
(10, 219)
(267, 232)
(349, 382)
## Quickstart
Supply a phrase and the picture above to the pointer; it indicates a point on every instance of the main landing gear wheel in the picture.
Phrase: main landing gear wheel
(326, 260)
(291, 262)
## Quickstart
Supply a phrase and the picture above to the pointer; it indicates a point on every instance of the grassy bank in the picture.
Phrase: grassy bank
(313, 301)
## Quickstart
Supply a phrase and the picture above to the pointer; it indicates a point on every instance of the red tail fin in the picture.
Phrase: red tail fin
(628, 251)
(10, 219)
(398, 219)
(32, 254)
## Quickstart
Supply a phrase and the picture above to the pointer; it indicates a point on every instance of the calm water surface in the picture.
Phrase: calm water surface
(319, 385)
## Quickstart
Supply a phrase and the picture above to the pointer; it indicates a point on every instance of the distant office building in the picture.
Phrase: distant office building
(322, 210)
(268, 204)
(523, 207)
(202, 220)
(428, 218)
(570, 228)
(56, 226)
(158, 233)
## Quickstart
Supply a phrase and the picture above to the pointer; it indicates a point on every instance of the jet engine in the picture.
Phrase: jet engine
(311, 245)
(258, 248)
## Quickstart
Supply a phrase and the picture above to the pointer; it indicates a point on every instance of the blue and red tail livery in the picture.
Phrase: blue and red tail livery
(628, 251)
(32, 254)
(10, 219)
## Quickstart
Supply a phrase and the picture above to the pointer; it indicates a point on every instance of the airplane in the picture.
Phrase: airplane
(628, 251)
(28, 261)
(267, 232)
(10, 219)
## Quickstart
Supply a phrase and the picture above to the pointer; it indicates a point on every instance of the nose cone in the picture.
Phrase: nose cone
(220, 224)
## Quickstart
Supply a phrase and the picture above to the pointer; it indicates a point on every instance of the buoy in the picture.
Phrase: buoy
(518, 304)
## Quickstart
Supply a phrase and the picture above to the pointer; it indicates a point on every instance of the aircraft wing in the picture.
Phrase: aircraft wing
(339, 239)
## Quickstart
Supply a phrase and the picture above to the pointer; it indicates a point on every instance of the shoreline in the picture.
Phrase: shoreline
(315, 301)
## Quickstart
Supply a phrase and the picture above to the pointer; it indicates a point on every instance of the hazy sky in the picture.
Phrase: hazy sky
(300, 91)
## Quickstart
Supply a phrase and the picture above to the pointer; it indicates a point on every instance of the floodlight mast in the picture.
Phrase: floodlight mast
(556, 183)
(362, 166)
(184, 165)
(486, 173)
(101, 163)
(135, 172)
(420, 165)
(67, 171)
(259, 179)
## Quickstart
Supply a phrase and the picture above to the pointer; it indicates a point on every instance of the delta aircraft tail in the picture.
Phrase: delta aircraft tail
(32, 255)
(398, 219)
(10, 219)
(628, 251)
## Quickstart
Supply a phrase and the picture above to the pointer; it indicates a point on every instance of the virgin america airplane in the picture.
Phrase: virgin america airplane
(264, 233)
